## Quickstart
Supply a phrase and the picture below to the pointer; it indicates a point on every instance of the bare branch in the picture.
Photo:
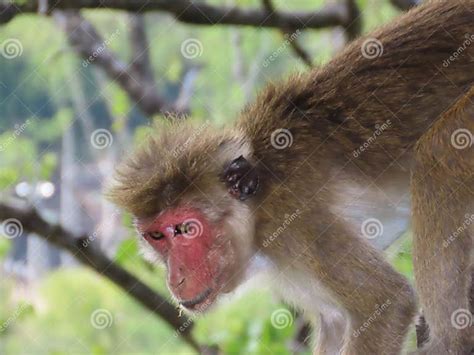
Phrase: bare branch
(187, 88)
(89, 255)
(198, 13)
(405, 4)
(353, 27)
(295, 45)
(140, 61)
(88, 43)
(8, 12)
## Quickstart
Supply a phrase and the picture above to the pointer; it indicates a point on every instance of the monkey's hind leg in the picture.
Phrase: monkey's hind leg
(443, 221)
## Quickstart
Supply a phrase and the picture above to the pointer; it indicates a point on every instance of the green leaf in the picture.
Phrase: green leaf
(128, 249)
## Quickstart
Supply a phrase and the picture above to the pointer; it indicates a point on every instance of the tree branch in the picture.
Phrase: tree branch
(89, 255)
(140, 61)
(353, 27)
(197, 13)
(88, 43)
(294, 44)
(405, 4)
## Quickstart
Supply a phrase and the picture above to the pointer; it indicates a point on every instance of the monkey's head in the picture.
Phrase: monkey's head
(189, 189)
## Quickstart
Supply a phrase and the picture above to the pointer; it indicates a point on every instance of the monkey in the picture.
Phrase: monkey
(315, 171)
(444, 162)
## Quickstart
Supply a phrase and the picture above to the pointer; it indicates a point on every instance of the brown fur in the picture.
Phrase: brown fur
(330, 112)
(443, 200)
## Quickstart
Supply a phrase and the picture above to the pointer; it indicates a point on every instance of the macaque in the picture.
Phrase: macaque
(314, 178)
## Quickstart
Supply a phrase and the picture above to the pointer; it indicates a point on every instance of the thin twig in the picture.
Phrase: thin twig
(284, 28)
(194, 12)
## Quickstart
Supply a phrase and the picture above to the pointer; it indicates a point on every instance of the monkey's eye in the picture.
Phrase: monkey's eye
(155, 235)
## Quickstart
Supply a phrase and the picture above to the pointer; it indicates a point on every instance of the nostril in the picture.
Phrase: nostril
(181, 282)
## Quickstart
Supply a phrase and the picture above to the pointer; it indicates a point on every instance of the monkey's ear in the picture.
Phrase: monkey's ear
(241, 178)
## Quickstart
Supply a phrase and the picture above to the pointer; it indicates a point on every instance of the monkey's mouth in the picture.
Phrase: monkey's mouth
(192, 303)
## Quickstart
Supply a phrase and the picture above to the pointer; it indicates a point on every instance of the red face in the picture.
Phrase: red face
(198, 256)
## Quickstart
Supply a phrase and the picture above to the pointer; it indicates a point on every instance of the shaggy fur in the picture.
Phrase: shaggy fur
(330, 113)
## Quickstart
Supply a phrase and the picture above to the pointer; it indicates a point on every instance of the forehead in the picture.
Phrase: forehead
(170, 166)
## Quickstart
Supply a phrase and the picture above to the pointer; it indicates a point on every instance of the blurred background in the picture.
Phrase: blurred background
(78, 88)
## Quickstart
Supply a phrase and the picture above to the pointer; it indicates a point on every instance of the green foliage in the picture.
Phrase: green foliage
(48, 164)
(35, 90)
(67, 301)
(126, 251)
(50, 130)
(5, 247)
(18, 158)
(403, 258)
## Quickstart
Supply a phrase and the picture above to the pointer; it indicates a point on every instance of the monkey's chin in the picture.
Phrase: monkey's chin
(201, 302)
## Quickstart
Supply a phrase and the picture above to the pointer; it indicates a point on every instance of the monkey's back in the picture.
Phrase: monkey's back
(374, 99)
